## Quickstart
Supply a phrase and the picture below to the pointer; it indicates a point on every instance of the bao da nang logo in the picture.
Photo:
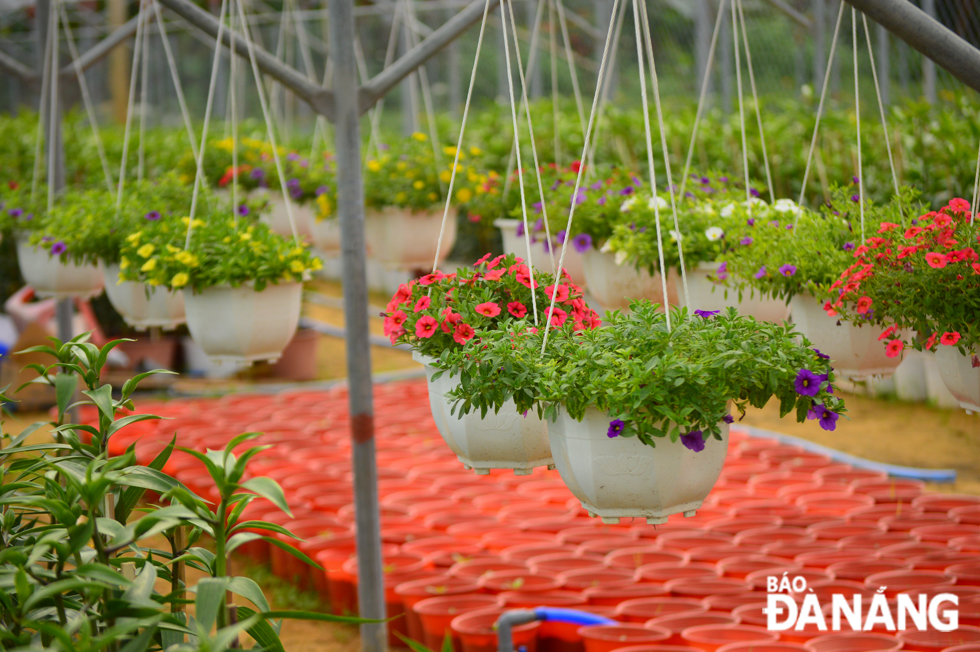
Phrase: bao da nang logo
(784, 611)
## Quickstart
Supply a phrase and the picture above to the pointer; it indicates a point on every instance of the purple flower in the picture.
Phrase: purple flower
(580, 198)
(693, 440)
(547, 245)
(704, 314)
(789, 227)
(762, 273)
(722, 272)
(746, 241)
(582, 242)
(59, 248)
(520, 229)
(29, 216)
(828, 419)
(705, 180)
(15, 212)
(636, 180)
(774, 224)
(689, 194)
(723, 179)
(787, 270)
(914, 222)
(855, 180)
(555, 185)
(596, 186)
(602, 201)
(292, 156)
(728, 418)
(153, 216)
(807, 383)
(257, 173)
(560, 236)
(753, 192)
(848, 246)
(322, 190)
(539, 225)
(243, 210)
(750, 221)
(855, 198)
(628, 190)
(536, 206)
(292, 183)
(615, 428)
(822, 356)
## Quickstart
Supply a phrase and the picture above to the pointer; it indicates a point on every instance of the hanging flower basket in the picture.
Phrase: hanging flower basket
(398, 237)
(515, 244)
(614, 286)
(618, 477)
(961, 375)
(52, 276)
(144, 306)
(326, 234)
(708, 294)
(505, 440)
(240, 325)
(856, 352)
(277, 216)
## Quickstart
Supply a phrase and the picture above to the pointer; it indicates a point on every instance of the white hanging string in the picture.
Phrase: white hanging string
(53, 118)
(655, 80)
(137, 49)
(320, 125)
(705, 81)
(600, 77)
(976, 188)
(277, 91)
(144, 88)
(553, 60)
(175, 76)
(534, 149)
(233, 107)
(607, 87)
(741, 104)
(199, 174)
(430, 112)
(375, 117)
(462, 132)
(520, 169)
(570, 56)
(816, 126)
(881, 110)
(246, 31)
(651, 165)
(755, 101)
(41, 137)
(857, 114)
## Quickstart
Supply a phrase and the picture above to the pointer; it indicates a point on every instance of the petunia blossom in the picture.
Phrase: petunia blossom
(693, 440)
(463, 333)
(488, 309)
(562, 293)
(894, 348)
(949, 338)
(807, 383)
(936, 260)
(422, 304)
(787, 269)
(582, 242)
(615, 428)
(426, 327)
(517, 309)
(863, 305)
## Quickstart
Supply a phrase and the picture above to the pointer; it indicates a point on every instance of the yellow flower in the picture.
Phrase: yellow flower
(134, 237)
(475, 151)
(172, 249)
(326, 210)
(316, 264)
(187, 258)
(146, 250)
(149, 265)
(449, 150)
(227, 239)
(401, 165)
(401, 197)
(153, 281)
(418, 185)
(244, 236)
(297, 266)
(472, 178)
(179, 280)
(186, 178)
(420, 137)
(373, 165)
(296, 251)
(463, 195)
(124, 263)
(445, 176)
(433, 196)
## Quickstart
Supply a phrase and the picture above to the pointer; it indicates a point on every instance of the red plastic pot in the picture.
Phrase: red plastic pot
(475, 569)
(606, 638)
(787, 453)
(613, 596)
(969, 647)
(840, 529)
(943, 533)
(562, 562)
(844, 474)
(579, 580)
(940, 561)
(827, 558)
(519, 580)
(605, 545)
(767, 535)
(688, 541)
(966, 515)
(437, 614)
(739, 567)
(576, 536)
(903, 551)
(756, 646)
(944, 502)
(968, 573)
(932, 640)
(791, 549)
(714, 554)
(768, 484)
(664, 572)
(832, 503)
(654, 647)
(770, 507)
(634, 557)
(894, 582)
(876, 541)
(734, 525)
(752, 614)
(677, 623)
(476, 531)
(711, 637)
(412, 592)
(965, 544)
(862, 569)
(853, 642)
(498, 540)
(477, 632)
(641, 610)
(890, 491)
(733, 601)
(879, 511)
(527, 551)
(530, 600)
(702, 587)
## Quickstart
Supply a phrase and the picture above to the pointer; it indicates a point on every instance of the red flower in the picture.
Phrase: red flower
(886, 227)
(913, 231)
(517, 309)
(523, 277)
(575, 166)
(426, 327)
(422, 304)
(949, 339)
(958, 205)
(558, 317)
(429, 279)
(905, 252)
(451, 319)
(463, 333)
(562, 295)
(403, 294)
(482, 260)
(864, 305)
(931, 341)
(936, 261)
(398, 318)
(894, 348)
(888, 331)
(942, 220)
(494, 275)
(829, 309)
(488, 309)
(860, 251)
(876, 242)
(495, 261)
(976, 267)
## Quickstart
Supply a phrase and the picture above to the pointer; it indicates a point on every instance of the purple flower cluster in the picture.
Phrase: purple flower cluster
(693, 440)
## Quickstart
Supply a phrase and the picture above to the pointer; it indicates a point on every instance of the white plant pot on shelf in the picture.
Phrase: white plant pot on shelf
(326, 234)
(855, 351)
(141, 306)
(397, 237)
(238, 325)
(52, 278)
(505, 440)
(706, 294)
(621, 477)
(614, 286)
(277, 216)
(960, 375)
(514, 244)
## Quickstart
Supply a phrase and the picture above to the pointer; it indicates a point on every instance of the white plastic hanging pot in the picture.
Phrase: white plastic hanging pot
(52, 277)
(621, 477)
(961, 375)
(515, 244)
(855, 351)
(707, 294)
(397, 237)
(614, 286)
(277, 217)
(239, 325)
(144, 306)
(505, 440)
(326, 234)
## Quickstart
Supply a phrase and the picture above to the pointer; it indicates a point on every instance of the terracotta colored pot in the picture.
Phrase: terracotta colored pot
(862, 569)
(837, 530)
(853, 642)
(437, 614)
(968, 574)
(412, 592)
(606, 638)
(475, 569)
(679, 622)
(894, 582)
(477, 631)
(932, 640)
(528, 600)
(741, 566)
(612, 596)
(634, 557)
(944, 502)
(562, 562)
(519, 580)
(702, 587)
(733, 525)
(579, 580)
(733, 601)
(755, 646)
(711, 637)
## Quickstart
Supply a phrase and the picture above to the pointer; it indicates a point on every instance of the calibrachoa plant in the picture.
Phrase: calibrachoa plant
(445, 312)
(924, 278)
(651, 381)
(783, 257)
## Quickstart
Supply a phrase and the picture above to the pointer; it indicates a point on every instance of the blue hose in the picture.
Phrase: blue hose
(571, 616)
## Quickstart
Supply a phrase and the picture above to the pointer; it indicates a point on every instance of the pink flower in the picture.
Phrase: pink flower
(482, 260)
(864, 305)
(976, 267)
(519, 310)
(495, 261)
(894, 348)
(398, 318)
(403, 294)
(422, 304)
(949, 339)
(463, 333)
(829, 309)
(426, 327)
(886, 227)
(451, 319)
(888, 331)
(488, 309)
(523, 277)
(494, 275)
(395, 334)
(558, 317)
(429, 279)
(936, 261)
(562, 295)
(958, 205)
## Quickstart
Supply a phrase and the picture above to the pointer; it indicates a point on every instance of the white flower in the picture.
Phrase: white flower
(657, 202)
(728, 210)
(785, 206)
(606, 248)
(714, 233)
(627, 205)
(754, 201)
(674, 235)
(621, 257)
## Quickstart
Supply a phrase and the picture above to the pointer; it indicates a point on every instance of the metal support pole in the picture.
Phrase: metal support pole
(350, 204)
(884, 64)
(928, 65)
(819, 43)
